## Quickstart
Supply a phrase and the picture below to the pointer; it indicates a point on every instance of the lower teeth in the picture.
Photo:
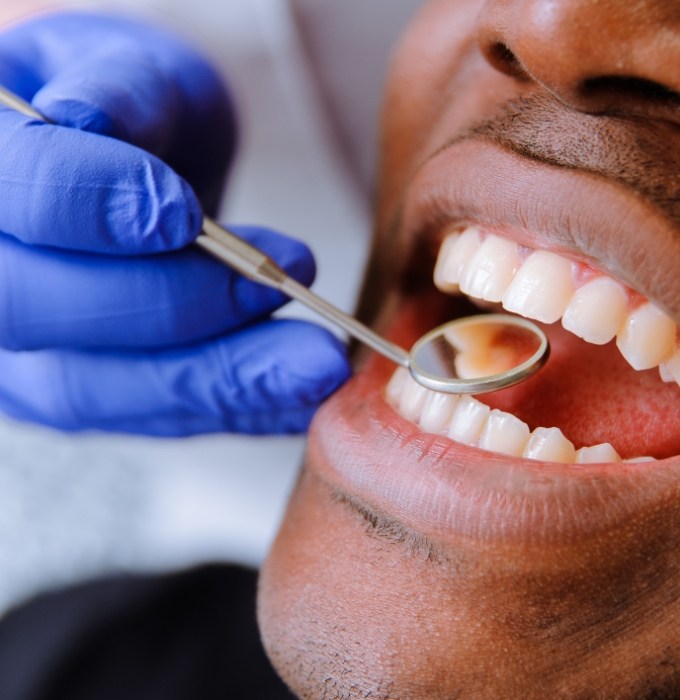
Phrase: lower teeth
(470, 422)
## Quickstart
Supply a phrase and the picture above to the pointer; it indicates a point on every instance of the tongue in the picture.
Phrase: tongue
(593, 395)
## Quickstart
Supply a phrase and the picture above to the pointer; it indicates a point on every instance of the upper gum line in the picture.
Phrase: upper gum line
(547, 287)
(582, 272)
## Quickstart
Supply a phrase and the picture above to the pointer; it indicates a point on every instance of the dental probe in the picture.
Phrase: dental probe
(471, 355)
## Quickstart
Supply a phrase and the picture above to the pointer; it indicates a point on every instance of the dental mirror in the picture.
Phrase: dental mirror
(471, 355)
(477, 354)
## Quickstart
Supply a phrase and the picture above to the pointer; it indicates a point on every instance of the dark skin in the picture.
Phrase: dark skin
(509, 579)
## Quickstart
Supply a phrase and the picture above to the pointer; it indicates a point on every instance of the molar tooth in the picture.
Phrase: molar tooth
(597, 454)
(597, 311)
(412, 399)
(541, 288)
(550, 445)
(504, 433)
(647, 337)
(437, 411)
(453, 257)
(468, 420)
(491, 269)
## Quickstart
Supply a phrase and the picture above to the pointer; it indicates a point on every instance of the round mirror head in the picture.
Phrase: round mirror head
(479, 354)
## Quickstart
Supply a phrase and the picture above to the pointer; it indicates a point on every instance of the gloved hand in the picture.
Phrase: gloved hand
(107, 319)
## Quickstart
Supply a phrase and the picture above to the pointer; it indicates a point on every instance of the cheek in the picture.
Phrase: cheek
(339, 608)
(439, 84)
(417, 89)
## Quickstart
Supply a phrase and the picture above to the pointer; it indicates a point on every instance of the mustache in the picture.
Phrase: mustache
(639, 153)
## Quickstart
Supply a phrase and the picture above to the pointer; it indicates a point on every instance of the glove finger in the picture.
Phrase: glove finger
(118, 90)
(124, 79)
(52, 298)
(265, 379)
(70, 189)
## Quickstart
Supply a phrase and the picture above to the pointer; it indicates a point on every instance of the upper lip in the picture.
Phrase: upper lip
(584, 215)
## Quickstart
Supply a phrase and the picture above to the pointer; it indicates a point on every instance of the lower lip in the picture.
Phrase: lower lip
(446, 490)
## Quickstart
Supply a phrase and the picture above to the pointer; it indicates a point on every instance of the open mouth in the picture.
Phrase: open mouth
(580, 254)
(528, 461)
(614, 354)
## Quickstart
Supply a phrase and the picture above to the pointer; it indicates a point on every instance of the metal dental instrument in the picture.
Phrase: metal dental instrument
(471, 355)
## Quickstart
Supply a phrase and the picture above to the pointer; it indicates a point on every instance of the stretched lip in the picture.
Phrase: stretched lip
(441, 489)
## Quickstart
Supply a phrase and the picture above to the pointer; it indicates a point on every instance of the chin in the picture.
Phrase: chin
(523, 543)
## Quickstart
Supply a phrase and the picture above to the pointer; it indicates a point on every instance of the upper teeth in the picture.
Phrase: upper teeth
(547, 287)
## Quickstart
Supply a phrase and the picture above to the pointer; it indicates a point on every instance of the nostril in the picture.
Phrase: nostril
(504, 60)
(616, 89)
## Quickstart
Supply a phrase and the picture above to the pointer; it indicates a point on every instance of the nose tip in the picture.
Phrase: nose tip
(593, 55)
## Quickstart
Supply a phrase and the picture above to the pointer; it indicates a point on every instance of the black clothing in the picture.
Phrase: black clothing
(190, 636)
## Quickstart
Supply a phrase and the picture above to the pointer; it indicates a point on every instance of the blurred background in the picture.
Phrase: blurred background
(307, 76)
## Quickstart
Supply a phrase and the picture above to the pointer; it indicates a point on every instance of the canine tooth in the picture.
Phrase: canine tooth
(412, 399)
(597, 311)
(453, 257)
(468, 420)
(437, 411)
(550, 445)
(670, 369)
(597, 454)
(395, 386)
(504, 433)
(541, 288)
(491, 269)
(647, 337)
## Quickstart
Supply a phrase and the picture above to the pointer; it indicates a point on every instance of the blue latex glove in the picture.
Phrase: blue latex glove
(107, 319)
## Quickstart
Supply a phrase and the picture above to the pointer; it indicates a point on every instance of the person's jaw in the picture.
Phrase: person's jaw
(521, 571)
(510, 577)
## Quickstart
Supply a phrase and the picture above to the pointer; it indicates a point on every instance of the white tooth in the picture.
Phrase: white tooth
(491, 269)
(504, 433)
(468, 420)
(597, 454)
(670, 370)
(412, 399)
(633, 460)
(437, 411)
(647, 337)
(550, 445)
(454, 254)
(395, 386)
(597, 311)
(541, 288)
(665, 373)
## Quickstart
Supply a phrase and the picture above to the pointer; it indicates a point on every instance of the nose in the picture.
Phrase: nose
(594, 55)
